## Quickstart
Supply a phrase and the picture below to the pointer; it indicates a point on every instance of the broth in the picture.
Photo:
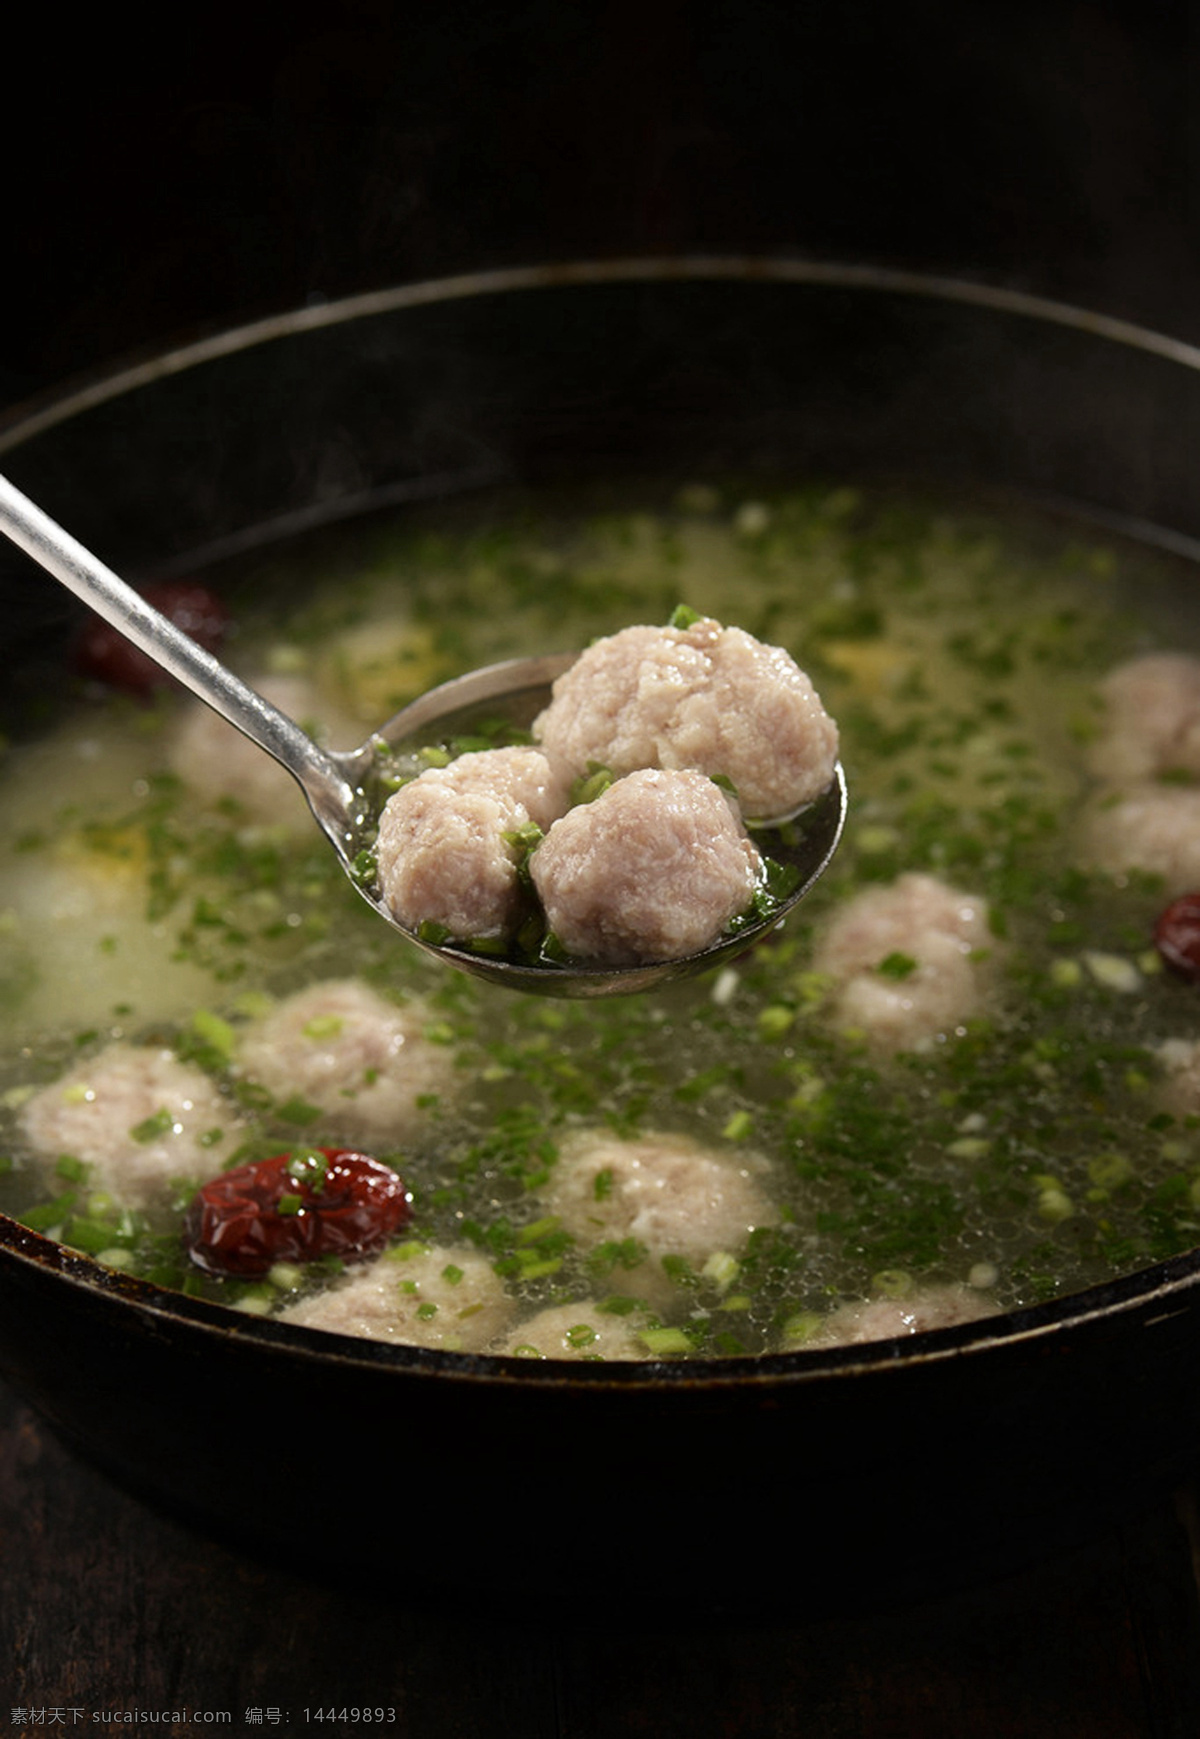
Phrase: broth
(1024, 1153)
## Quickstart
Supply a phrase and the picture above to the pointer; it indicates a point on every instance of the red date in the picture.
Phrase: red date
(1177, 935)
(326, 1201)
(105, 655)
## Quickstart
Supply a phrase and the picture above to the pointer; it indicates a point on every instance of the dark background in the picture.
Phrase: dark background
(199, 166)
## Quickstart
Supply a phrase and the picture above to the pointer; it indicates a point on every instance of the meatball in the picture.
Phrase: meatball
(364, 1061)
(520, 779)
(577, 1331)
(137, 1115)
(418, 1295)
(671, 1196)
(653, 869)
(887, 1318)
(1152, 719)
(220, 765)
(442, 852)
(1155, 828)
(901, 959)
(706, 698)
(1179, 1088)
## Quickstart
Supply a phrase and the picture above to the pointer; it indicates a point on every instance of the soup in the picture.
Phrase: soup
(983, 1104)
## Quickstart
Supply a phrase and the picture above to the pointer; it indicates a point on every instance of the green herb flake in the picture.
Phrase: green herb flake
(775, 1022)
(211, 1038)
(437, 935)
(299, 1111)
(684, 617)
(309, 1167)
(538, 1230)
(364, 867)
(897, 965)
(153, 1128)
(592, 784)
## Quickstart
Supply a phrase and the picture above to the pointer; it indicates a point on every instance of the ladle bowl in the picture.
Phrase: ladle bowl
(340, 784)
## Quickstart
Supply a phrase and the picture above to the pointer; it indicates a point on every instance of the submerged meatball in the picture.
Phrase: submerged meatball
(1155, 828)
(578, 1331)
(418, 1295)
(1152, 718)
(887, 1318)
(1178, 1090)
(667, 1193)
(653, 869)
(220, 765)
(442, 854)
(901, 958)
(707, 698)
(137, 1115)
(1151, 729)
(362, 1059)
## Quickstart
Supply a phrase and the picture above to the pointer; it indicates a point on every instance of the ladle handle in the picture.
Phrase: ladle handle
(176, 652)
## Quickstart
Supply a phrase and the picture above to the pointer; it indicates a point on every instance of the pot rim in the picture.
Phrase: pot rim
(1155, 1292)
(22, 422)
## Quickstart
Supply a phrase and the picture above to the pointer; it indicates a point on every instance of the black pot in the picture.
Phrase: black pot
(882, 1467)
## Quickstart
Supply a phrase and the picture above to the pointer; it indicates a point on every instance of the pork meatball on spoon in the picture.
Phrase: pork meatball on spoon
(343, 787)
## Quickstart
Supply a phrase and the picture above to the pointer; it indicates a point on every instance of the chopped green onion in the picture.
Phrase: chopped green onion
(538, 1229)
(437, 935)
(892, 1283)
(592, 784)
(406, 1251)
(310, 1167)
(775, 1021)
(297, 1110)
(287, 1276)
(663, 1342)
(683, 616)
(536, 1270)
(722, 1268)
(151, 1128)
(800, 1328)
(897, 965)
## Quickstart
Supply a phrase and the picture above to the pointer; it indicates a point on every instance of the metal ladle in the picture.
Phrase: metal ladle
(338, 784)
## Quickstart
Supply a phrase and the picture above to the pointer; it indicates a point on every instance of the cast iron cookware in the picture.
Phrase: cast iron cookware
(859, 1470)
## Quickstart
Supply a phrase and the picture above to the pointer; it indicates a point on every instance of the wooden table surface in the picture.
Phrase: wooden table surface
(110, 1612)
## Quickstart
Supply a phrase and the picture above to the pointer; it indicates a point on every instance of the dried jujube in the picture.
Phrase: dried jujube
(103, 653)
(295, 1207)
(1177, 935)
